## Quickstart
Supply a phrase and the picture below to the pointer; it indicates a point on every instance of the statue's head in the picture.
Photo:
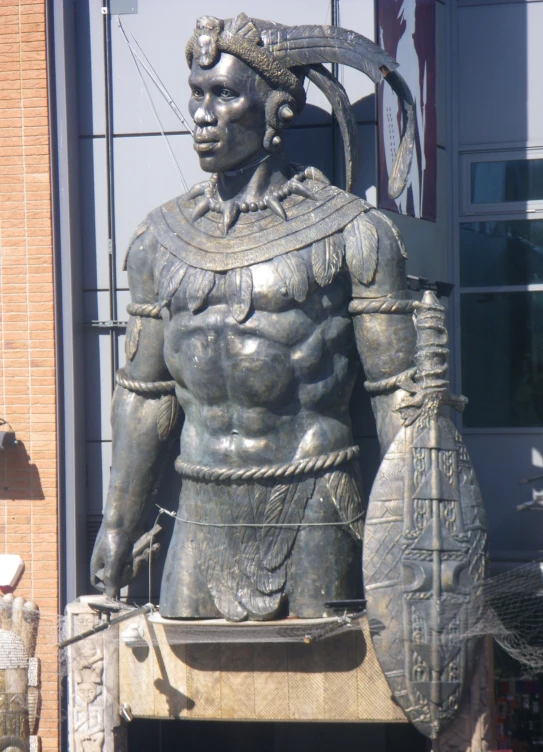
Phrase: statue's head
(247, 79)
(241, 97)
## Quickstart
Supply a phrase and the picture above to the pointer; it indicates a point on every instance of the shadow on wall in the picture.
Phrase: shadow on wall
(21, 479)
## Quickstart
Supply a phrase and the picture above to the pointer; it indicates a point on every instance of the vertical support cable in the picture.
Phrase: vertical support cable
(334, 17)
(112, 254)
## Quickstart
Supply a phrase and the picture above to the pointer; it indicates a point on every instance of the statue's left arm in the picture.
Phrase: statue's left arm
(383, 324)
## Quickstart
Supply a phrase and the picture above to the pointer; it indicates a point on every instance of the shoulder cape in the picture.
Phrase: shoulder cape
(255, 237)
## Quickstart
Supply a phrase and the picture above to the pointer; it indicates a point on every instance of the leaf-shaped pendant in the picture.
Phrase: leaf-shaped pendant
(140, 229)
(167, 416)
(361, 248)
(171, 278)
(199, 285)
(161, 259)
(133, 330)
(239, 292)
(327, 258)
(293, 271)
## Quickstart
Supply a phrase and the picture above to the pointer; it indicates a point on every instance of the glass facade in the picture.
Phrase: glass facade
(498, 182)
(502, 358)
(508, 252)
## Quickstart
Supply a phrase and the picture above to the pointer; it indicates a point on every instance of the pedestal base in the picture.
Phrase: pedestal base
(291, 671)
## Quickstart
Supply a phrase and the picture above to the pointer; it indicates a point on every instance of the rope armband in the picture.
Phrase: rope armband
(382, 305)
(146, 310)
(144, 387)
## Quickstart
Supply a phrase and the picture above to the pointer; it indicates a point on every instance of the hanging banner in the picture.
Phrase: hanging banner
(407, 32)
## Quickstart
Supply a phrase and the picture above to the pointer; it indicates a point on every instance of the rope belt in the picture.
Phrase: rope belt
(266, 472)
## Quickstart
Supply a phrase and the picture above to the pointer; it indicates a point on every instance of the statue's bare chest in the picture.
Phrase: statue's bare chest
(252, 338)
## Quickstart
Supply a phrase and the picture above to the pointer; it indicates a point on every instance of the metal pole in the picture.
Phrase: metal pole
(110, 170)
(334, 14)
(148, 608)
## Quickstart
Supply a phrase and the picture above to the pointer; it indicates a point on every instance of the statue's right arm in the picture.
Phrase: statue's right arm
(140, 453)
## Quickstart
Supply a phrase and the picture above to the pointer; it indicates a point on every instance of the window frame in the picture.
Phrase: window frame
(469, 209)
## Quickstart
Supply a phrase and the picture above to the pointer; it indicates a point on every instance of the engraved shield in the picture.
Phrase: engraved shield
(424, 557)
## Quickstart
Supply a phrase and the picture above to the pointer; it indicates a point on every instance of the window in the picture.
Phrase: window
(501, 289)
(502, 182)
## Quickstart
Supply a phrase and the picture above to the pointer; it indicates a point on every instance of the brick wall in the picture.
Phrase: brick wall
(28, 482)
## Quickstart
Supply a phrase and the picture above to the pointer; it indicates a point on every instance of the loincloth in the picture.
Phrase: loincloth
(243, 531)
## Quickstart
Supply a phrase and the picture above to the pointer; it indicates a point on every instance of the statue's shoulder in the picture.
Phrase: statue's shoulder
(374, 252)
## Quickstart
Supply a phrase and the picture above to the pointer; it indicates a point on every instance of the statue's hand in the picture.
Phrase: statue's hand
(111, 564)
(115, 561)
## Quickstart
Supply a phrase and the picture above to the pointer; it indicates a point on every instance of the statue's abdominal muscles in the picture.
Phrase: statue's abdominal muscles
(276, 385)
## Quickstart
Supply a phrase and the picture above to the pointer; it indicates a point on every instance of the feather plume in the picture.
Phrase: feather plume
(198, 286)
(239, 292)
(337, 96)
(170, 279)
(307, 45)
(361, 248)
(327, 258)
(347, 499)
(293, 271)
(404, 156)
(167, 418)
(161, 259)
(286, 505)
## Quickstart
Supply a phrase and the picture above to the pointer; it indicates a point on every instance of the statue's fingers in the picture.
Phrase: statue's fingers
(7, 611)
(31, 619)
(112, 578)
(17, 615)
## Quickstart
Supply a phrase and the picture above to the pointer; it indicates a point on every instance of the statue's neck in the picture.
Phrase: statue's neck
(251, 183)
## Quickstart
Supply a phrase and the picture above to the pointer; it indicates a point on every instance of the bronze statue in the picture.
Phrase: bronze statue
(255, 297)
(240, 323)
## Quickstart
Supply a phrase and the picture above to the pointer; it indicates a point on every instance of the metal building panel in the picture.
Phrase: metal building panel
(499, 56)
(359, 15)
(92, 181)
(366, 182)
(97, 354)
(145, 177)
(162, 29)
(123, 6)
(90, 66)
(441, 75)
(98, 459)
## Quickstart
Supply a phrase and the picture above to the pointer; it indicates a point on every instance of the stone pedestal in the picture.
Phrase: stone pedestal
(94, 721)
(291, 671)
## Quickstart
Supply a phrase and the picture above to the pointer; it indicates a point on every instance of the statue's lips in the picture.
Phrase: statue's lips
(202, 147)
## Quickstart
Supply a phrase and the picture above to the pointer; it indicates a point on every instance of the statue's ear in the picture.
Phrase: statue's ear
(281, 111)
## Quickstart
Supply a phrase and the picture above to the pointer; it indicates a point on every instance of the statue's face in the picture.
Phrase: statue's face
(227, 105)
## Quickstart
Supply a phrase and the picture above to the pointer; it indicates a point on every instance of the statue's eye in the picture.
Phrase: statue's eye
(225, 93)
(197, 93)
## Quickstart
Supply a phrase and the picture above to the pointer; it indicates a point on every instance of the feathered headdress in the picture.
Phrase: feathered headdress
(284, 55)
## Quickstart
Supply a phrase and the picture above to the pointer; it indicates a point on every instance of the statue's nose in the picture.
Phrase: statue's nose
(204, 116)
